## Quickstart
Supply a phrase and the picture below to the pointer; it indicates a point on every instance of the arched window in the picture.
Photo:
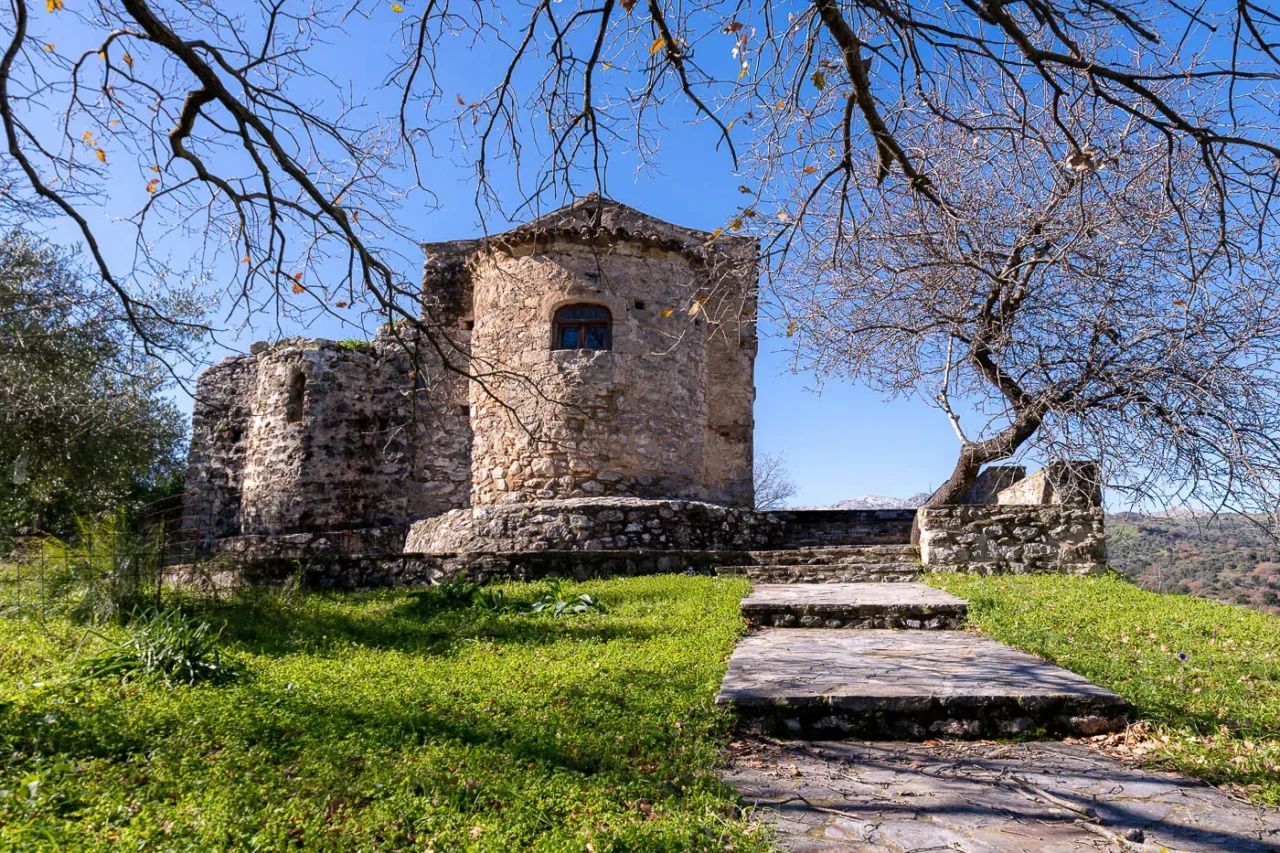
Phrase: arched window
(297, 398)
(582, 326)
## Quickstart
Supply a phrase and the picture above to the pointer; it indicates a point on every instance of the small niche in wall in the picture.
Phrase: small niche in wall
(468, 325)
(639, 304)
(297, 398)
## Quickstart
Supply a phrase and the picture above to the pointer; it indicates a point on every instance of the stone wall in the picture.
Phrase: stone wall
(666, 413)
(1013, 539)
(314, 435)
(1061, 482)
(219, 423)
(596, 524)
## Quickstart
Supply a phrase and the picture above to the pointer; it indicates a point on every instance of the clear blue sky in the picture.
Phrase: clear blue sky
(842, 443)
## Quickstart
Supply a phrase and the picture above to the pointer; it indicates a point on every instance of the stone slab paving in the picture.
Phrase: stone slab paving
(984, 798)
(906, 684)
(854, 605)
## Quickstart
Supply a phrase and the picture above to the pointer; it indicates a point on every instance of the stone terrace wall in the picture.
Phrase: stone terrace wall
(600, 524)
(819, 527)
(1013, 539)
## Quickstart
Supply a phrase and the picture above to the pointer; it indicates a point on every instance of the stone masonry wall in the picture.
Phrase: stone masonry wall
(638, 420)
(219, 424)
(309, 436)
(1013, 539)
(594, 524)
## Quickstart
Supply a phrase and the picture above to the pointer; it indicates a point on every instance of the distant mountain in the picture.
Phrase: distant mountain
(876, 502)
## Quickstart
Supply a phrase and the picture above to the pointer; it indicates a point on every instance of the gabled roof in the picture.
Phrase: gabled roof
(593, 217)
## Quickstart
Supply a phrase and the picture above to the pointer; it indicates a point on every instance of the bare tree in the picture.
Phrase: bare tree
(1097, 303)
(242, 131)
(243, 128)
(773, 483)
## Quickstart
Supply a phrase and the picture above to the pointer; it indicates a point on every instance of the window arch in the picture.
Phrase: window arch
(582, 326)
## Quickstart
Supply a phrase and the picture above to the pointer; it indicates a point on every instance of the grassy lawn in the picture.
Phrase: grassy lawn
(388, 721)
(1205, 677)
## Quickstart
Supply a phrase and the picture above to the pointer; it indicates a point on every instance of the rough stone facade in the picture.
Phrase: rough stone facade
(308, 437)
(594, 524)
(315, 436)
(1013, 539)
(666, 412)
(1062, 482)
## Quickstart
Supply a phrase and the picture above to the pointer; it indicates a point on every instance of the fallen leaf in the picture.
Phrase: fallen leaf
(668, 312)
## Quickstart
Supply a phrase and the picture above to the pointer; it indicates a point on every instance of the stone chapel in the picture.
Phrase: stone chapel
(595, 352)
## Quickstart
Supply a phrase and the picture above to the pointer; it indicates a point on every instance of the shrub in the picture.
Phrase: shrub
(168, 644)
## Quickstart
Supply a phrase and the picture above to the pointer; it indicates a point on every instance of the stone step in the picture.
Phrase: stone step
(866, 685)
(826, 574)
(822, 556)
(854, 605)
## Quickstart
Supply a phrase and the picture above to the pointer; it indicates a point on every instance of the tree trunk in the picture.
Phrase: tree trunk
(973, 455)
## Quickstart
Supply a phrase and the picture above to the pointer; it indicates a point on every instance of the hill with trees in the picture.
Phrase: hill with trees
(1226, 558)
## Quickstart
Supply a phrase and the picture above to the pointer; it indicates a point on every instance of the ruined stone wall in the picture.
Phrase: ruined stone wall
(1060, 482)
(315, 435)
(219, 424)
(1013, 539)
(632, 421)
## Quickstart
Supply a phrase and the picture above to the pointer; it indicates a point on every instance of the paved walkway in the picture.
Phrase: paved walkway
(826, 680)
(985, 797)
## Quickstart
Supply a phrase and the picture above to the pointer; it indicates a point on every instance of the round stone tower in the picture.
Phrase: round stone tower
(612, 355)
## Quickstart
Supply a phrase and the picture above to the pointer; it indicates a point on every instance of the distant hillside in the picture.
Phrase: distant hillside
(1230, 558)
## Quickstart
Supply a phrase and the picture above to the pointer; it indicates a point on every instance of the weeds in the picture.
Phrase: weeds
(105, 575)
(167, 644)
(553, 601)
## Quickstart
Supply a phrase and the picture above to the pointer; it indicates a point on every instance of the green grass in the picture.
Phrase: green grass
(1214, 714)
(388, 721)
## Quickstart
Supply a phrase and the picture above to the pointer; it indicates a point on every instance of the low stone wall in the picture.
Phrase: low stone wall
(371, 541)
(835, 527)
(594, 524)
(1013, 539)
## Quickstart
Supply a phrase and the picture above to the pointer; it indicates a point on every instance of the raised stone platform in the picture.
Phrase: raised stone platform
(594, 524)
(907, 684)
(854, 605)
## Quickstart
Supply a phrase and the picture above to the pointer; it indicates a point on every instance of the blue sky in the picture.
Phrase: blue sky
(844, 442)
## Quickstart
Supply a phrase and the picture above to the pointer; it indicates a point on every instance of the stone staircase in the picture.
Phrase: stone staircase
(841, 654)
(831, 564)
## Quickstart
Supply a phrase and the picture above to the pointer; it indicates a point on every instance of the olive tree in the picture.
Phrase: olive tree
(84, 423)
